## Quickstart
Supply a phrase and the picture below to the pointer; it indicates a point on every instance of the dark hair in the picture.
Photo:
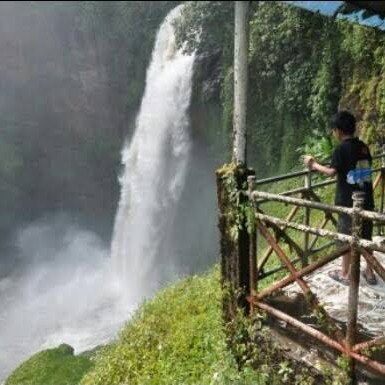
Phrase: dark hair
(344, 121)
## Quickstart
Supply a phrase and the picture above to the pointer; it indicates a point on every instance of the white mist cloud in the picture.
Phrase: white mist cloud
(65, 293)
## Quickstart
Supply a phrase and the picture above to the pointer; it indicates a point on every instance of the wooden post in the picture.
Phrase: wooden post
(380, 228)
(306, 221)
(235, 242)
(351, 332)
(241, 47)
(253, 249)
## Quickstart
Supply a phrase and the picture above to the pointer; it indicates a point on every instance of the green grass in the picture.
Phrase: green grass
(51, 367)
(178, 337)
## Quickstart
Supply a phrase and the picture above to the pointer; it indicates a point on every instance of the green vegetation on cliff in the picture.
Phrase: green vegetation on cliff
(302, 67)
(52, 367)
(174, 338)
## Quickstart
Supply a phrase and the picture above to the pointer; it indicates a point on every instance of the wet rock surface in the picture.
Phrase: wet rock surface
(334, 296)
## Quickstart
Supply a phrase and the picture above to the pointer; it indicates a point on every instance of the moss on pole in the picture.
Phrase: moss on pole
(234, 237)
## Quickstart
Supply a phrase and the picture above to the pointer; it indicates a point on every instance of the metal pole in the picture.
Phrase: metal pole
(373, 262)
(301, 273)
(269, 251)
(306, 220)
(321, 337)
(241, 47)
(379, 341)
(282, 256)
(351, 332)
(320, 226)
(382, 173)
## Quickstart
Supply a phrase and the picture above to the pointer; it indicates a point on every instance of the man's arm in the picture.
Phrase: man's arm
(313, 165)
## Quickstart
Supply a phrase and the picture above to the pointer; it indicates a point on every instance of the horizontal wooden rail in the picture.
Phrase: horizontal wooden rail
(294, 174)
(279, 178)
(371, 215)
(321, 232)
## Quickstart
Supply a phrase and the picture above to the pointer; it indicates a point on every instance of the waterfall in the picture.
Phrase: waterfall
(155, 165)
(74, 298)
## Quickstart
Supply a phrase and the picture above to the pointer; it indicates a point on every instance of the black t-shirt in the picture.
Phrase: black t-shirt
(346, 156)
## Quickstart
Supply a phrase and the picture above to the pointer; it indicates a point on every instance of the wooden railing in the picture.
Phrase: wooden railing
(274, 229)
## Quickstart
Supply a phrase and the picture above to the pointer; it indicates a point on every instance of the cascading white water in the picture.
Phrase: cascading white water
(155, 165)
(73, 298)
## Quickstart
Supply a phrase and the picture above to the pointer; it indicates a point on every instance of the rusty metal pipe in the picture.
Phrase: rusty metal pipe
(368, 344)
(321, 337)
(253, 267)
(322, 248)
(253, 276)
(300, 325)
(277, 269)
(268, 252)
(303, 285)
(282, 234)
(280, 178)
(282, 256)
(373, 262)
(306, 222)
(300, 273)
(321, 226)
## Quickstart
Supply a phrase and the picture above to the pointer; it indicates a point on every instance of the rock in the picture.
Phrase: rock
(207, 75)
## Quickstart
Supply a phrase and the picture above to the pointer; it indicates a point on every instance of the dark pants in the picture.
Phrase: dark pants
(345, 227)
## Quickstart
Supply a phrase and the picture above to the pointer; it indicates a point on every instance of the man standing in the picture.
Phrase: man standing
(351, 162)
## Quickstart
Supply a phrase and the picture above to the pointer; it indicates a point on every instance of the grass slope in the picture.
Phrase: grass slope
(51, 367)
(176, 338)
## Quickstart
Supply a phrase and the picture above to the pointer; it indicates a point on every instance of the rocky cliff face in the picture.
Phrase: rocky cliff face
(207, 108)
(60, 130)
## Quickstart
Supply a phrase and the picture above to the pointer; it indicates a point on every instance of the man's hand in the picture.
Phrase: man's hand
(309, 161)
(312, 165)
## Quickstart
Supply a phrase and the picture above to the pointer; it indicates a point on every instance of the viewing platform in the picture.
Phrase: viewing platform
(282, 254)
